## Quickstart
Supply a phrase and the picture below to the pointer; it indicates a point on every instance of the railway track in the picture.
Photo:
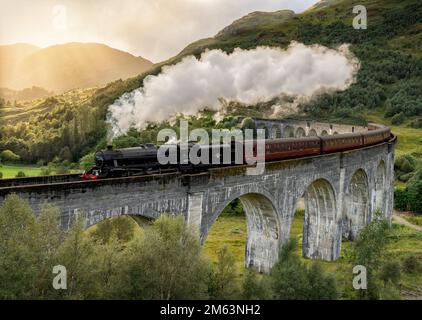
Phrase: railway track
(74, 180)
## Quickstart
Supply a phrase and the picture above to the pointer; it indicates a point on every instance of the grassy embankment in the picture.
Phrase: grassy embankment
(10, 171)
(409, 139)
(231, 231)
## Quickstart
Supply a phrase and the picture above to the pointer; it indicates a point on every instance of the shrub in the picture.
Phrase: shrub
(405, 163)
(254, 288)
(65, 154)
(417, 176)
(369, 251)
(391, 271)
(405, 177)
(248, 123)
(167, 263)
(40, 163)
(1, 175)
(62, 170)
(122, 228)
(415, 199)
(417, 124)
(9, 156)
(233, 209)
(400, 199)
(46, 171)
(87, 161)
(291, 279)
(222, 280)
(390, 292)
(411, 264)
(20, 174)
(416, 220)
(399, 118)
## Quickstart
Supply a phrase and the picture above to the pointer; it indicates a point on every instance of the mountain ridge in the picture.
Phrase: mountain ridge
(388, 82)
(62, 67)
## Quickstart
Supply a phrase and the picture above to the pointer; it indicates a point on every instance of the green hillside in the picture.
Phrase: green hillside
(66, 66)
(388, 83)
(64, 128)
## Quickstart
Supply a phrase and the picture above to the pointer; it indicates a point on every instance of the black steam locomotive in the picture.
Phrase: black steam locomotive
(111, 163)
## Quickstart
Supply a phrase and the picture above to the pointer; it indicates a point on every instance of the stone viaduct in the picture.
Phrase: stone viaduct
(341, 192)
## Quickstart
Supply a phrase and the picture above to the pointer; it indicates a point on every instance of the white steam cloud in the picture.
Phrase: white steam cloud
(246, 76)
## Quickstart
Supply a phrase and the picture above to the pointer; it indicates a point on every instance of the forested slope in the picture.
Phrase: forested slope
(71, 124)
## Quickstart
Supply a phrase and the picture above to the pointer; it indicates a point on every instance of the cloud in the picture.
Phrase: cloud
(246, 76)
(154, 29)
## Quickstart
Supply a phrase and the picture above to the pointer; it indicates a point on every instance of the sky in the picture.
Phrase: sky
(153, 29)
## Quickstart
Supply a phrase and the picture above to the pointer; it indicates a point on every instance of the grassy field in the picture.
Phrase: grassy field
(409, 139)
(12, 170)
(413, 218)
(231, 231)
(26, 109)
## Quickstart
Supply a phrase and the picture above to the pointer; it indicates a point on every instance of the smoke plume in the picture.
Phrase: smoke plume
(246, 76)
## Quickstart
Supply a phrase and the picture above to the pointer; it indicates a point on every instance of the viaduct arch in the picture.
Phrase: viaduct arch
(341, 190)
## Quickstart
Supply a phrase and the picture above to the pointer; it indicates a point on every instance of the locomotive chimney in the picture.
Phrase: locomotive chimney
(109, 147)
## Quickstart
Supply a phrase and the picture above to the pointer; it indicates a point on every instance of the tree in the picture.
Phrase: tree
(108, 276)
(369, 250)
(28, 250)
(288, 275)
(122, 228)
(17, 259)
(321, 285)
(87, 161)
(411, 264)
(414, 191)
(390, 292)
(254, 288)
(234, 208)
(222, 282)
(65, 154)
(167, 263)
(399, 118)
(20, 174)
(9, 156)
(390, 271)
(76, 253)
(292, 280)
(103, 231)
(248, 123)
(47, 240)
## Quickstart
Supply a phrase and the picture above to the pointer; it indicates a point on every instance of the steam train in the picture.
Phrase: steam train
(141, 160)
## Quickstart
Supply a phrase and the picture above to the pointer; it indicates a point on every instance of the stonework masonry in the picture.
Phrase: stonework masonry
(341, 193)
